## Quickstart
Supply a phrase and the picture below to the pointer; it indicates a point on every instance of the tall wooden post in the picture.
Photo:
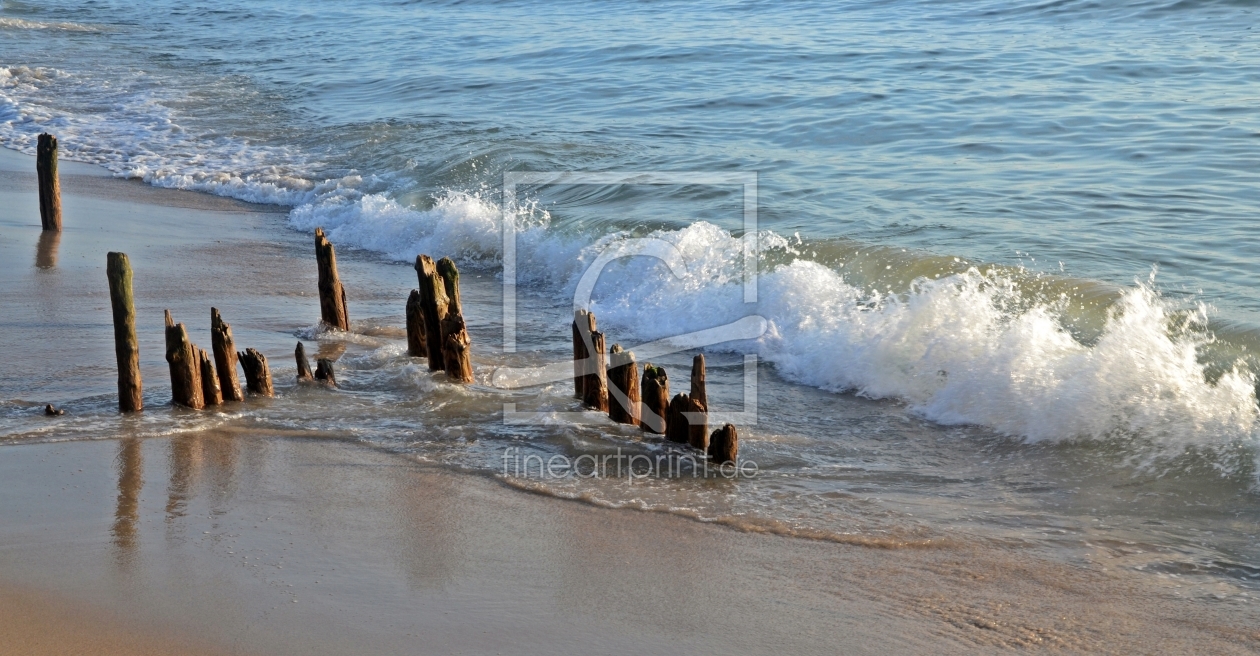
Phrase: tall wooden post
(332, 296)
(623, 387)
(257, 373)
(210, 391)
(185, 367)
(583, 325)
(433, 306)
(49, 184)
(698, 391)
(655, 390)
(417, 346)
(126, 345)
(224, 348)
(456, 344)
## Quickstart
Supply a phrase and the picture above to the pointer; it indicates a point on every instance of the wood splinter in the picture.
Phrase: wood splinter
(257, 373)
(181, 356)
(333, 309)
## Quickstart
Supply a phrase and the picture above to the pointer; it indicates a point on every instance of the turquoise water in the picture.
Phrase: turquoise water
(1031, 220)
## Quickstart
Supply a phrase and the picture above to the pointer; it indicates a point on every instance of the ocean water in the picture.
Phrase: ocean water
(1006, 252)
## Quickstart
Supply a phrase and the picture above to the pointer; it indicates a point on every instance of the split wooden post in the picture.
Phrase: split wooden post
(332, 296)
(417, 347)
(698, 390)
(181, 355)
(595, 385)
(583, 325)
(257, 373)
(687, 422)
(456, 344)
(655, 407)
(126, 344)
(623, 387)
(324, 371)
(224, 348)
(303, 365)
(49, 184)
(433, 306)
(210, 391)
(724, 445)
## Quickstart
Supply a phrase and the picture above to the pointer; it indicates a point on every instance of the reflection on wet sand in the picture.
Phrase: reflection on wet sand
(185, 460)
(46, 251)
(130, 479)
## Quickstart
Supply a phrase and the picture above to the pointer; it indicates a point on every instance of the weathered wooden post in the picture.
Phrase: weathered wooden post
(456, 344)
(687, 422)
(698, 390)
(210, 391)
(224, 348)
(595, 386)
(655, 407)
(49, 184)
(324, 371)
(417, 347)
(181, 355)
(623, 387)
(257, 373)
(126, 345)
(332, 296)
(433, 305)
(303, 365)
(724, 445)
(583, 324)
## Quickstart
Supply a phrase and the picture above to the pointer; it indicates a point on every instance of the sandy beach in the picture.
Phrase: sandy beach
(159, 534)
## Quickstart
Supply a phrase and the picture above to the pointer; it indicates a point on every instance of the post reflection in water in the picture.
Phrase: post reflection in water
(127, 514)
(185, 460)
(46, 251)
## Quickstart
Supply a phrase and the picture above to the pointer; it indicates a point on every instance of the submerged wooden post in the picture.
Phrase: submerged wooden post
(595, 385)
(724, 445)
(623, 387)
(324, 371)
(417, 346)
(224, 348)
(126, 345)
(332, 296)
(655, 390)
(49, 184)
(433, 306)
(687, 422)
(185, 367)
(257, 373)
(210, 391)
(303, 365)
(456, 344)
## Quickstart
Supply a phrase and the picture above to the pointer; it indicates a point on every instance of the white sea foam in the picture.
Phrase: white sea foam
(7, 23)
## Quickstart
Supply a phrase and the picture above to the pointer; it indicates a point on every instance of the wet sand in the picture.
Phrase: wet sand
(157, 535)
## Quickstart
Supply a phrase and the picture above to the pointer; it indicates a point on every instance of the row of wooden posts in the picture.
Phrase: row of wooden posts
(609, 381)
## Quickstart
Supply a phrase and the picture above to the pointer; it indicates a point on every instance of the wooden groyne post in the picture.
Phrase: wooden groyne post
(257, 373)
(224, 348)
(433, 306)
(303, 365)
(655, 405)
(687, 422)
(332, 296)
(623, 387)
(324, 371)
(456, 344)
(49, 184)
(595, 383)
(724, 445)
(583, 324)
(210, 391)
(416, 343)
(126, 345)
(181, 355)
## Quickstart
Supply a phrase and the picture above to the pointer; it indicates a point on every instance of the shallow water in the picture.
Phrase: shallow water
(1023, 229)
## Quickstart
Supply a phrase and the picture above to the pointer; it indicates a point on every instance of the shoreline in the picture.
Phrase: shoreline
(199, 528)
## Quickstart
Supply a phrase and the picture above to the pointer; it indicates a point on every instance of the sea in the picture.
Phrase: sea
(991, 264)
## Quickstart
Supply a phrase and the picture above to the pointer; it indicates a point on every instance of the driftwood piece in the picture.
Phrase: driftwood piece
(257, 373)
(210, 391)
(303, 365)
(623, 387)
(49, 184)
(332, 296)
(724, 445)
(126, 344)
(687, 422)
(324, 371)
(433, 306)
(185, 366)
(655, 406)
(456, 343)
(417, 345)
(595, 386)
(583, 325)
(224, 348)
